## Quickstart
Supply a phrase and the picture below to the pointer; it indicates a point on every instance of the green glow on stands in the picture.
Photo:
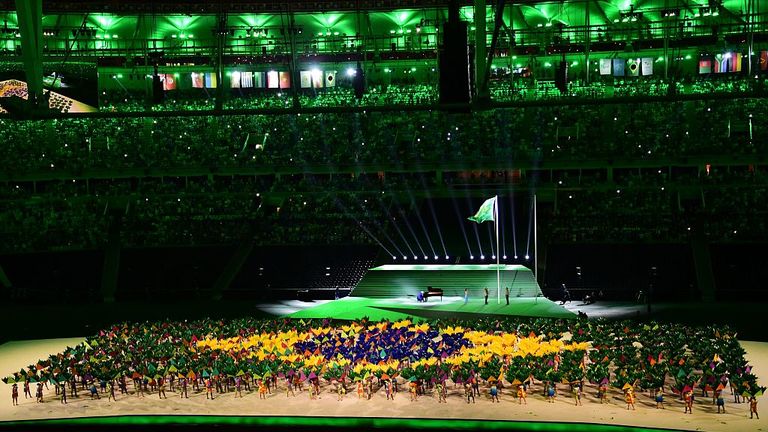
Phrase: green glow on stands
(255, 20)
(687, 56)
(104, 21)
(575, 63)
(182, 22)
(547, 65)
(660, 59)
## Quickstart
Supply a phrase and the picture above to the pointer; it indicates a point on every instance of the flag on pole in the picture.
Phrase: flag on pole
(486, 212)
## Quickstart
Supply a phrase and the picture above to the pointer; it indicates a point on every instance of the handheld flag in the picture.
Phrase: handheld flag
(486, 212)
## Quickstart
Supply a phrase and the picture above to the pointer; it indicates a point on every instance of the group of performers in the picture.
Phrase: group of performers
(471, 360)
(365, 389)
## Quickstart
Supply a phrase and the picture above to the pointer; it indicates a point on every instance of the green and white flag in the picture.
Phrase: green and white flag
(486, 213)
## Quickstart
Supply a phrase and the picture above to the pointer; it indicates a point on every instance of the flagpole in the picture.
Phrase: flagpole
(498, 252)
(535, 241)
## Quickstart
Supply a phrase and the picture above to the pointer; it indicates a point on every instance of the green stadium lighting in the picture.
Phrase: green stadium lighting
(688, 57)
(547, 65)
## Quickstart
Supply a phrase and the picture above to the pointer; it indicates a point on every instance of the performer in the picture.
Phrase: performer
(27, 393)
(522, 398)
(688, 398)
(111, 392)
(288, 387)
(466, 295)
(551, 392)
(360, 390)
(494, 393)
(720, 401)
(576, 391)
(603, 393)
(629, 397)
(341, 390)
(15, 394)
(39, 393)
(753, 407)
(485, 290)
(238, 387)
(161, 388)
(208, 389)
(183, 384)
(440, 389)
(94, 391)
(389, 390)
(262, 390)
(506, 294)
(469, 393)
(123, 385)
(660, 398)
(63, 392)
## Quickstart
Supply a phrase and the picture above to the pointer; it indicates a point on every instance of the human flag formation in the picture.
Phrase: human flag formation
(486, 212)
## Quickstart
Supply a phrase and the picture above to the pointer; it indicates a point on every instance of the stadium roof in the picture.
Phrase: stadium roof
(128, 19)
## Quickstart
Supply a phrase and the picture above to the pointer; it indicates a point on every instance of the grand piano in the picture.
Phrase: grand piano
(433, 292)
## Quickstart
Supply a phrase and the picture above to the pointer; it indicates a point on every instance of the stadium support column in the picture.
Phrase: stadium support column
(666, 51)
(702, 262)
(221, 43)
(587, 40)
(293, 63)
(5, 282)
(30, 17)
(480, 50)
(111, 267)
(232, 269)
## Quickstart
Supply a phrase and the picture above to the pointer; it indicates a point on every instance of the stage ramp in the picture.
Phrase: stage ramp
(404, 280)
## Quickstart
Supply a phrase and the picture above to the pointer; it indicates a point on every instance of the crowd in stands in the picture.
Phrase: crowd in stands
(311, 210)
(266, 142)
(127, 163)
(503, 90)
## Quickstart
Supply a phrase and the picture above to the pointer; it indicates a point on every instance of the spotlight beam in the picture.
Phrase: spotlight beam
(530, 229)
(461, 225)
(514, 225)
(397, 228)
(474, 226)
(410, 229)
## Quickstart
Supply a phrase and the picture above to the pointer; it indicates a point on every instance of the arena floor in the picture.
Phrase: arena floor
(299, 411)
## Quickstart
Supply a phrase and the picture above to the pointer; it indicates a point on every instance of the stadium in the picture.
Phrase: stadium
(383, 214)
